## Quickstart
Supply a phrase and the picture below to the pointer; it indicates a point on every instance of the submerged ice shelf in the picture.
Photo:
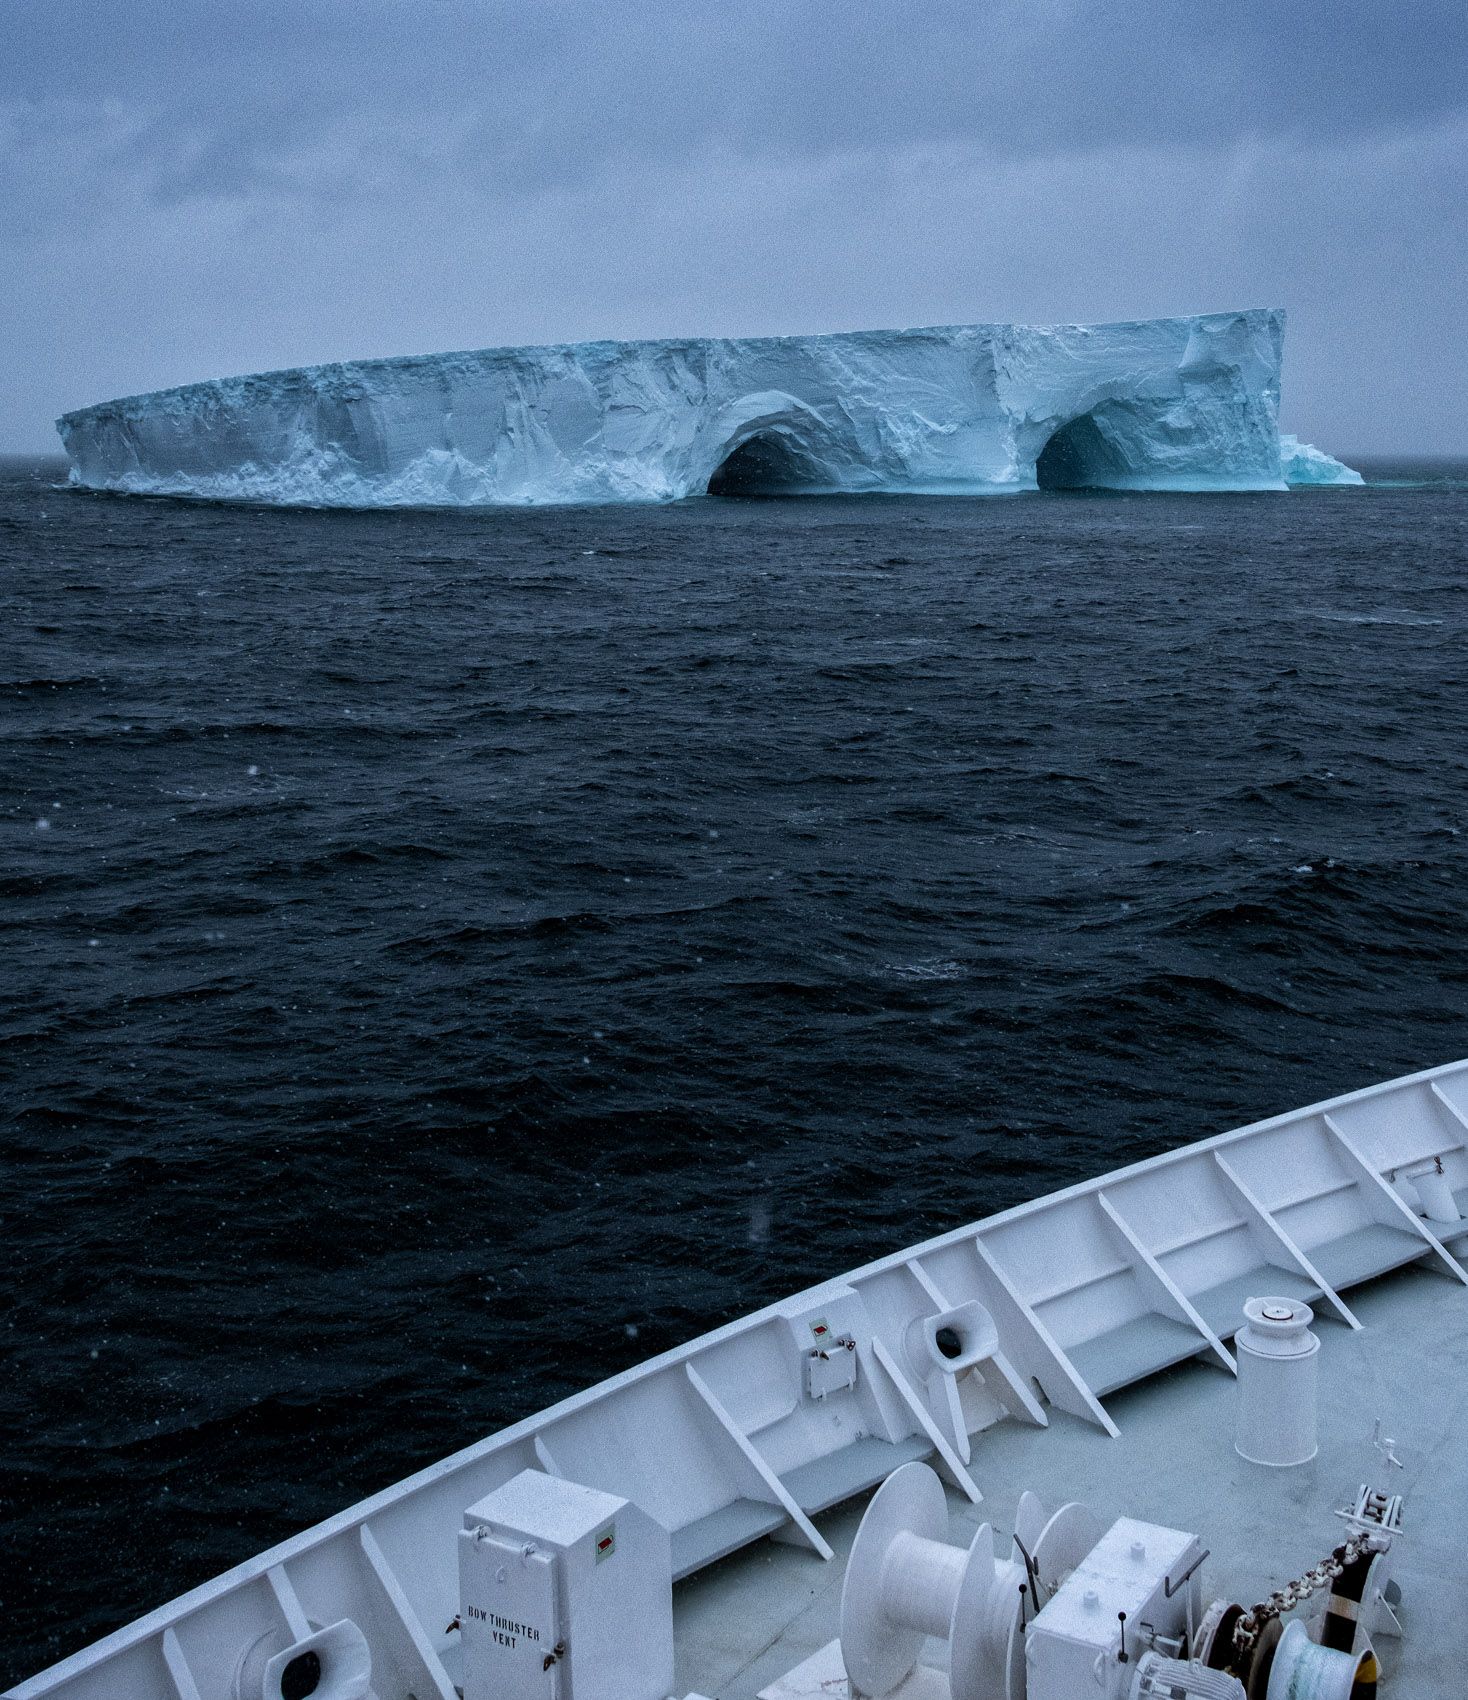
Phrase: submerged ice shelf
(1159, 404)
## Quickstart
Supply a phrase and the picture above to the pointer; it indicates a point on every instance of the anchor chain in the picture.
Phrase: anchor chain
(1250, 1626)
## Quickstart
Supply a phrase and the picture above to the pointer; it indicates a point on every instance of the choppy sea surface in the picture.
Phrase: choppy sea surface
(448, 957)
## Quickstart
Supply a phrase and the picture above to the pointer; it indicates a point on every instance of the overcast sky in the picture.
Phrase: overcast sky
(188, 190)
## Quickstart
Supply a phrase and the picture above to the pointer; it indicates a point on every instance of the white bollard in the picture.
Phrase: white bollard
(1277, 1402)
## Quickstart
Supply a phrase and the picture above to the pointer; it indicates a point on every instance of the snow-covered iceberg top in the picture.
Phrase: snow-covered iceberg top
(1160, 404)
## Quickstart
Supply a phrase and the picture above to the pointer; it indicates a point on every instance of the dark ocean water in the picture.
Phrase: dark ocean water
(448, 957)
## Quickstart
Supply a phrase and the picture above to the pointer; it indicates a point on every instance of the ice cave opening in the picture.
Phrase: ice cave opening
(771, 463)
(1081, 456)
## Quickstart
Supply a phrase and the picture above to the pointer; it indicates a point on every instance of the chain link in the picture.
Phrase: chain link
(1250, 1626)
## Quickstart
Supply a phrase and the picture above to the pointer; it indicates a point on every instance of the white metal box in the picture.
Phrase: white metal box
(565, 1593)
(1073, 1644)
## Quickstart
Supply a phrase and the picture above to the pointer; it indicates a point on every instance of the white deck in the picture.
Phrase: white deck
(747, 1621)
(1082, 1295)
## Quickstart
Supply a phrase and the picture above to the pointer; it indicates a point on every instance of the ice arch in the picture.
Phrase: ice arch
(770, 463)
(1085, 454)
(771, 444)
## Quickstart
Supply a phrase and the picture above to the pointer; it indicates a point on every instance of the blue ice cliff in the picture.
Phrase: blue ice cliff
(1160, 404)
(1303, 463)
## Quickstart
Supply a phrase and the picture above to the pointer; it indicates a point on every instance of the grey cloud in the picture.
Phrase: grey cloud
(552, 90)
(186, 191)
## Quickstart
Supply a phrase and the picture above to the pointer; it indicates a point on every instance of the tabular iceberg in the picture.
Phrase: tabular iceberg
(1160, 404)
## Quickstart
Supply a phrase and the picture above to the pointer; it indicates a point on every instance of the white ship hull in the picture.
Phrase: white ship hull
(750, 1431)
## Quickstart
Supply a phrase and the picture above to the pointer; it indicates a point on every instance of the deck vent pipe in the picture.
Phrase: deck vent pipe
(1277, 1383)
